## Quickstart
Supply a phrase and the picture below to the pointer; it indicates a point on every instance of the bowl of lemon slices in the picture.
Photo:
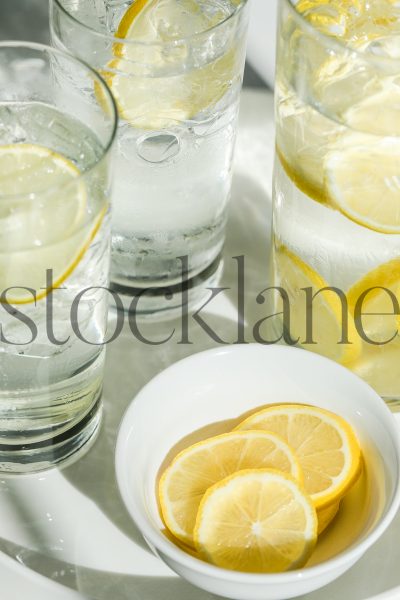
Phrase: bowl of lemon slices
(259, 472)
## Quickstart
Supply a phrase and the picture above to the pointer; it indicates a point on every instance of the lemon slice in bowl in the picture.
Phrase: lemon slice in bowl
(293, 275)
(362, 178)
(325, 444)
(149, 76)
(200, 466)
(257, 521)
(42, 220)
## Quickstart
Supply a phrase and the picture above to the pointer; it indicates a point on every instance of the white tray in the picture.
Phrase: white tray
(69, 527)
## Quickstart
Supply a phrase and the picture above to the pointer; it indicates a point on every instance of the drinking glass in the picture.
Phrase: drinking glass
(175, 68)
(55, 142)
(336, 221)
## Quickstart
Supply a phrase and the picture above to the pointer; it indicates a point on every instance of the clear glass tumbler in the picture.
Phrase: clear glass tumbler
(336, 232)
(55, 142)
(175, 68)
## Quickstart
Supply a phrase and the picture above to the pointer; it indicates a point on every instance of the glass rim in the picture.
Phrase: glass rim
(96, 78)
(335, 43)
(141, 43)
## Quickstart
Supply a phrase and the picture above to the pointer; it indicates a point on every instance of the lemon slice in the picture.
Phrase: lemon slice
(293, 275)
(40, 229)
(197, 468)
(257, 521)
(325, 444)
(299, 149)
(362, 178)
(377, 113)
(379, 321)
(154, 21)
(151, 84)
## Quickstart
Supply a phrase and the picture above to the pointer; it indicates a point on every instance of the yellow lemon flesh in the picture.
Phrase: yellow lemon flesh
(256, 521)
(325, 153)
(151, 83)
(362, 177)
(43, 222)
(328, 313)
(200, 466)
(324, 443)
(376, 297)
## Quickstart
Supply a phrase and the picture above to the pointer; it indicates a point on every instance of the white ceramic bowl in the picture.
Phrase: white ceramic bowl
(222, 384)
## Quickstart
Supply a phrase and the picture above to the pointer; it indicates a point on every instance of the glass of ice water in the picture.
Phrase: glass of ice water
(175, 68)
(55, 143)
(337, 193)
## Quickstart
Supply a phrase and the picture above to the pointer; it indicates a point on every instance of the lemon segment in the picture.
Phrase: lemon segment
(162, 102)
(151, 84)
(256, 521)
(200, 466)
(293, 275)
(160, 21)
(362, 178)
(325, 444)
(379, 319)
(43, 221)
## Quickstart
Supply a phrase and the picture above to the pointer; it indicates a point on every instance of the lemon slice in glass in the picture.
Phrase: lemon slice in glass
(256, 521)
(43, 220)
(362, 177)
(379, 319)
(293, 275)
(158, 78)
(377, 113)
(324, 443)
(197, 468)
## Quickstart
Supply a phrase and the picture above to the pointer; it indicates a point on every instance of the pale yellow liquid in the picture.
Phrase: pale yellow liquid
(331, 101)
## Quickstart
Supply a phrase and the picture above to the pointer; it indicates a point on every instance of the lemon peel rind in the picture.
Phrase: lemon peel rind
(322, 499)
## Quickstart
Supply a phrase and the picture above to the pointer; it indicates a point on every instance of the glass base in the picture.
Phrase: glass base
(61, 450)
(168, 300)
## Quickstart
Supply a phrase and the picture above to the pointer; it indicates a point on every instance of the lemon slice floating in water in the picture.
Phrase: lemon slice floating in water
(150, 78)
(380, 287)
(363, 180)
(43, 221)
(293, 276)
